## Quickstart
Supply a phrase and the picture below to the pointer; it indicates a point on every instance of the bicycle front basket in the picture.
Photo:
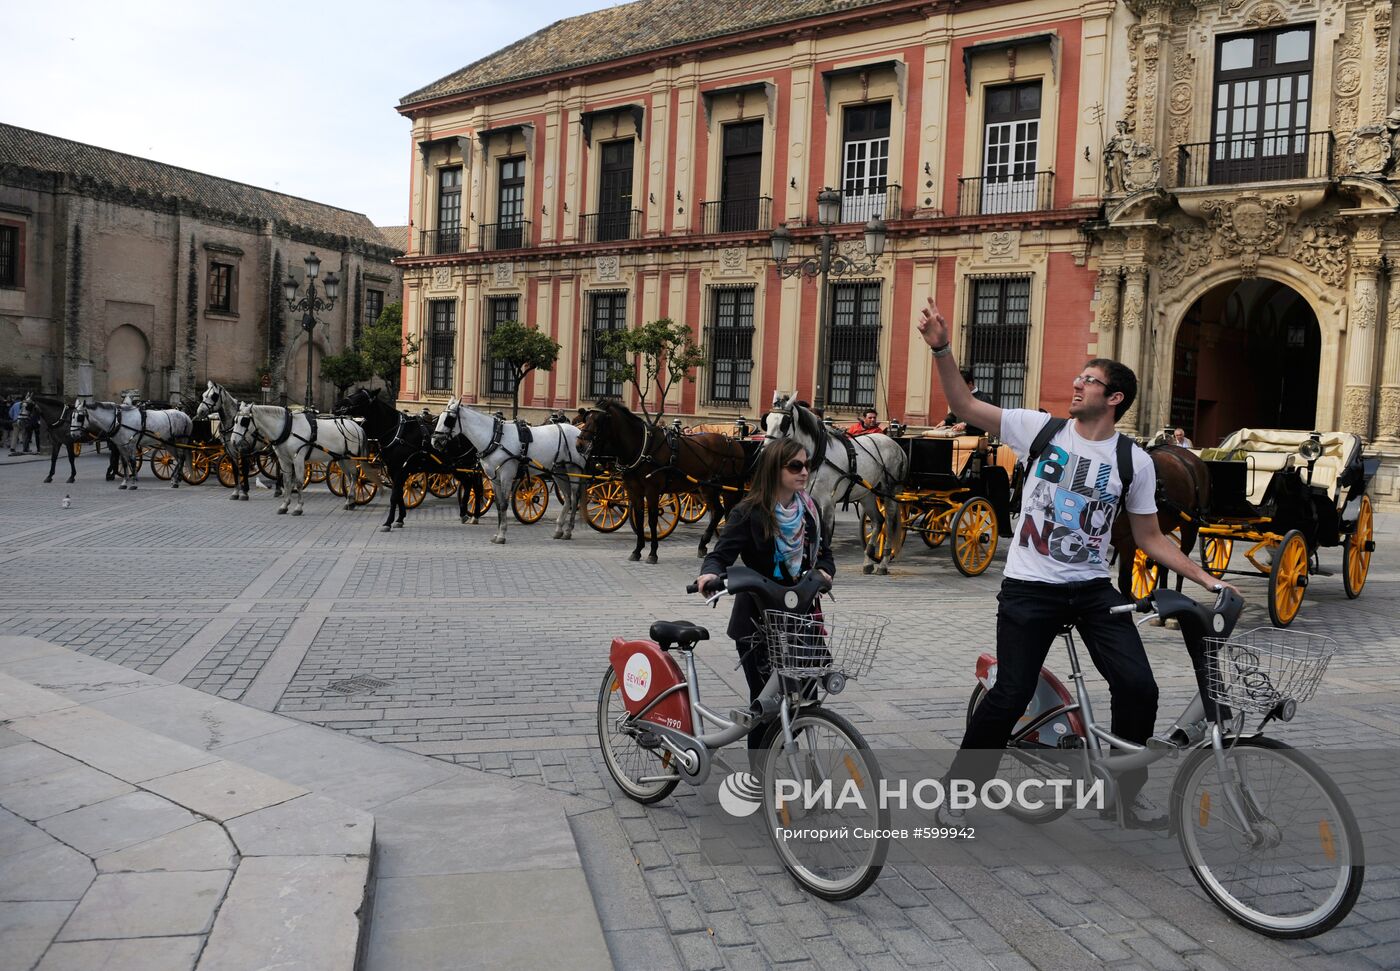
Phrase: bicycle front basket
(804, 645)
(1256, 670)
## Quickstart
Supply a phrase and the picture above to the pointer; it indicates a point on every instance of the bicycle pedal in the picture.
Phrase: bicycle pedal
(1164, 743)
(741, 717)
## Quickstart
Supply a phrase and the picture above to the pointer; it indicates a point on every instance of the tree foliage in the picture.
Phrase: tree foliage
(523, 349)
(653, 358)
(386, 349)
(345, 369)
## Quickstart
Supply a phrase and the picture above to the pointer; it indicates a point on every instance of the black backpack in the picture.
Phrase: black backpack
(1052, 428)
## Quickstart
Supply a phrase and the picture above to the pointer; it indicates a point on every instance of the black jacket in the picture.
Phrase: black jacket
(742, 539)
(953, 419)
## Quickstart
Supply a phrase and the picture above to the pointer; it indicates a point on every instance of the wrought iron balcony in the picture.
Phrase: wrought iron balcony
(736, 215)
(858, 206)
(1255, 158)
(605, 227)
(989, 196)
(440, 242)
(507, 235)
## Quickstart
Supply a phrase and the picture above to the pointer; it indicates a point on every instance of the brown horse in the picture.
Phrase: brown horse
(1183, 495)
(653, 461)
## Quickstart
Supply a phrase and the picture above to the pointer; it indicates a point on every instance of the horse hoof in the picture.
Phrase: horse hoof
(868, 569)
(281, 512)
(243, 496)
(132, 487)
(296, 512)
(558, 534)
(465, 520)
(498, 540)
(233, 498)
(651, 558)
(703, 552)
(122, 486)
(398, 525)
(635, 557)
(475, 521)
(49, 479)
(882, 570)
(384, 529)
(174, 485)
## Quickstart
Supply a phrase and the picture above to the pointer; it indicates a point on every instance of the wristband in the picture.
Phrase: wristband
(942, 351)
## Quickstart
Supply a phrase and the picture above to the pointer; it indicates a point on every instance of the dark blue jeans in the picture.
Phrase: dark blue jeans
(1029, 617)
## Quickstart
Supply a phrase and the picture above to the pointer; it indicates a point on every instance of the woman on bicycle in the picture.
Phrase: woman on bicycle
(777, 532)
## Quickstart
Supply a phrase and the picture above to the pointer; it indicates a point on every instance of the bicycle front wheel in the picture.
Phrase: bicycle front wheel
(827, 749)
(643, 774)
(1296, 870)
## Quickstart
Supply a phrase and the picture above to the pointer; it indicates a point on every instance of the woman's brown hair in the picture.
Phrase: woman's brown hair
(767, 477)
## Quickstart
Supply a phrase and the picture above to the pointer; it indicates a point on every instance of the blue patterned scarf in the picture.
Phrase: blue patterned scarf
(790, 538)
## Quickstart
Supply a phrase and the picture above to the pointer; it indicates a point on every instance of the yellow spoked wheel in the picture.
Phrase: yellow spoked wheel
(267, 465)
(606, 505)
(1215, 554)
(162, 463)
(366, 483)
(196, 468)
(693, 507)
(316, 472)
(901, 531)
(415, 490)
(667, 517)
(530, 499)
(227, 472)
(1356, 553)
(334, 477)
(975, 537)
(1145, 575)
(481, 497)
(442, 484)
(932, 529)
(1288, 578)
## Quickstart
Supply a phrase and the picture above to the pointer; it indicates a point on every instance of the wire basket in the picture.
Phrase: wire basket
(808, 645)
(1256, 670)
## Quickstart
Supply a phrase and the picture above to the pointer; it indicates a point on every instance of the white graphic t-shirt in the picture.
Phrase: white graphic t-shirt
(1069, 501)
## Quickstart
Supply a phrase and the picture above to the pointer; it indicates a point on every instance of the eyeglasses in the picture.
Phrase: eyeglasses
(1087, 379)
(796, 466)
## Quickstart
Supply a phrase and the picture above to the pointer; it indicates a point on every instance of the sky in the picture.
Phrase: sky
(296, 97)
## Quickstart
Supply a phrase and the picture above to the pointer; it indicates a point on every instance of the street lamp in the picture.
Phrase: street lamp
(827, 263)
(309, 304)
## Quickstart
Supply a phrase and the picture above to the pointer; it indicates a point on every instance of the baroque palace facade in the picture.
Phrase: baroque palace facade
(1205, 190)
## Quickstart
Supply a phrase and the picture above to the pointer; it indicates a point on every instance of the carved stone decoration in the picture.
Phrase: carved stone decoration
(1324, 251)
(442, 279)
(1380, 60)
(1134, 298)
(853, 249)
(1356, 410)
(1388, 418)
(1130, 165)
(1183, 252)
(1249, 221)
(1369, 150)
(502, 274)
(1130, 104)
(732, 260)
(1346, 80)
(1265, 15)
(1180, 101)
(607, 268)
(1001, 247)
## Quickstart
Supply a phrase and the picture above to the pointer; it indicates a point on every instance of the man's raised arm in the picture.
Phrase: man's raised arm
(934, 329)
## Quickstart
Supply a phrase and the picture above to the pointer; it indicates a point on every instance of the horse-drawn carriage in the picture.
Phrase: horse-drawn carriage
(955, 487)
(1289, 494)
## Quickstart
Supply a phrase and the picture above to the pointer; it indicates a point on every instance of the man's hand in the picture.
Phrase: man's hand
(932, 325)
(825, 576)
(703, 581)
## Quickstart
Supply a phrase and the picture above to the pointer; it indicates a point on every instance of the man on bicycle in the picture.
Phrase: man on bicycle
(1057, 566)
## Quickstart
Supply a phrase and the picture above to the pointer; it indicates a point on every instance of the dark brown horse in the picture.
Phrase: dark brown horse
(1183, 495)
(653, 461)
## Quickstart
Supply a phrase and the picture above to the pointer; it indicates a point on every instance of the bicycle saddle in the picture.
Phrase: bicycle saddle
(672, 634)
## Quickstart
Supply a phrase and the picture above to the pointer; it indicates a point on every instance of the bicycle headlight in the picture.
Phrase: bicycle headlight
(1287, 710)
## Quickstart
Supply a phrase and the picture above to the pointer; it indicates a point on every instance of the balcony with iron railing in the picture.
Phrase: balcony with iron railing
(1277, 157)
(505, 235)
(607, 227)
(858, 206)
(441, 242)
(736, 215)
(998, 195)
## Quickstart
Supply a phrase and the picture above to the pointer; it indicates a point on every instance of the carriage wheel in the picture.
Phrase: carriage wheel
(667, 517)
(196, 468)
(1145, 575)
(1356, 553)
(1288, 578)
(975, 537)
(442, 484)
(415, 490)
(530, 499)
(335, 478)
(366, 485)
(931, 530)
(1215, 554)
(606, 506)
(163, 464)
(693, 507)
(481, 497)
(77, 449)
(268, 465)
(316, 472)
(227, 472)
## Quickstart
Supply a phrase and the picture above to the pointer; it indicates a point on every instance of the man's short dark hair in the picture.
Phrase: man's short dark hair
(1120, 378)
(966, 374)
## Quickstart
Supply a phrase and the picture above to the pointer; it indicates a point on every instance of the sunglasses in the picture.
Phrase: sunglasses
(796, 466)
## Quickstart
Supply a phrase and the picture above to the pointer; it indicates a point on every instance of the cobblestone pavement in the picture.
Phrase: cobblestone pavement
(491, 656)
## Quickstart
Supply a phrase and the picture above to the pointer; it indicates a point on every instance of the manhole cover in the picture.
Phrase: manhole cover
(352, 686)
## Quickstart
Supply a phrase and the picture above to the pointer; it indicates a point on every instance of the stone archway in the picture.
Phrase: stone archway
(128, 356)
(1247, 353)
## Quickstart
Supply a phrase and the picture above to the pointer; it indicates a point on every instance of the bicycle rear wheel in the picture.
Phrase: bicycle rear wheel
(828, 748)
(627, 760)
(1021, 764)
(1302, 873)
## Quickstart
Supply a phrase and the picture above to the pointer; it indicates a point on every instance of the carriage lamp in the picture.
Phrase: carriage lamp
(827, 262)
(309, 305)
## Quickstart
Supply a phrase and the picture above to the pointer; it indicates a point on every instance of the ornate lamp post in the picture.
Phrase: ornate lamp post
(309, 304)
(827, 263)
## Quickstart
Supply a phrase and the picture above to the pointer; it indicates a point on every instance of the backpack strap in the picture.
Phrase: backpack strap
(1049, 430)
(1125, 468)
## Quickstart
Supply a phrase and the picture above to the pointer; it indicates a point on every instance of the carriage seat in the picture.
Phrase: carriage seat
(1269, 449)
(677, 634)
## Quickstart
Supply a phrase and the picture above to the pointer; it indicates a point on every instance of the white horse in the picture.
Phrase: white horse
(217, 401)
(128, 427)
(552, 452)
(857, 469)
(298, 438)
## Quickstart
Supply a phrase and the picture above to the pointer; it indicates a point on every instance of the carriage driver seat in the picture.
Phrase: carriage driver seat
(678, 634)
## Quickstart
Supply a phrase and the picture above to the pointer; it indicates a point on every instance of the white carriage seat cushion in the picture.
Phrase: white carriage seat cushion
(1270, 450)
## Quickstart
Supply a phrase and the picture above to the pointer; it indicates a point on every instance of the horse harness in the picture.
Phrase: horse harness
(308, 444)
